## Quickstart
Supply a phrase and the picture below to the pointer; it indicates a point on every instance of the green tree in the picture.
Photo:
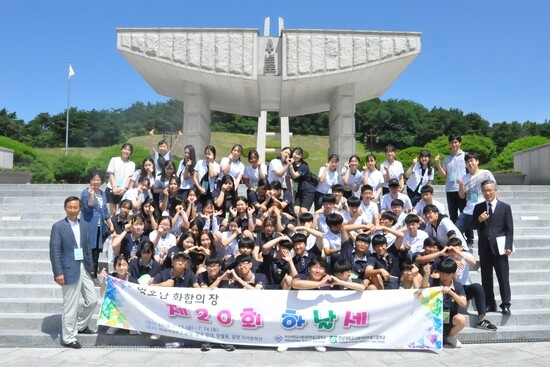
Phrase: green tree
(10, 125)
(505, 159)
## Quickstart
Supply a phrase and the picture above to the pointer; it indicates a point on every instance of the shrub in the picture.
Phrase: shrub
(26, 158)
(483, 146)
(70, 168)
(505, 160)
(101, 161)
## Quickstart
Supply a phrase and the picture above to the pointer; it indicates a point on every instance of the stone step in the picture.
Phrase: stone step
(9, 225)
(26, 200)
(33, 321)
(19, 216)
(27, 277)
(37, 193)
(505, 334)
(34, 305)
(44, 187)
(519, 275)
(33, 291)
(42, 265)
(49, 337)
(521, 288)
(518, 318)
(30, 291)
(14, 208)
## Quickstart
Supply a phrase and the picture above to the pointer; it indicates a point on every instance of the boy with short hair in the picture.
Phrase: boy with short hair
(162, 153)
(357, 254)
(393, 194)
(382, 267)
(453, 298)
(368, 207)
(397, 209)
(320, 217)
(469, 188)
(413, 237)
(427, 194)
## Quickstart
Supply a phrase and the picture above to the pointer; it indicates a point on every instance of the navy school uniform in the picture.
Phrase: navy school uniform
(274, 270)
(185, 280)
(205, 280)
(391, 264)
(358, 263)
(450, 307)
(131, 247)
(434, 265)
(257, 278)
(137, 268)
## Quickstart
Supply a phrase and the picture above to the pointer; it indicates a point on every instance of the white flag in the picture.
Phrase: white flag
(71, 71)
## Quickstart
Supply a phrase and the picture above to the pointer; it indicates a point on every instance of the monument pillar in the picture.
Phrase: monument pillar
(342, 122)
(285, 132)
(261, 135)
(196, 118)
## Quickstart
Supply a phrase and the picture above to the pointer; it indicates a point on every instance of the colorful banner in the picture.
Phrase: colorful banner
(390, 319)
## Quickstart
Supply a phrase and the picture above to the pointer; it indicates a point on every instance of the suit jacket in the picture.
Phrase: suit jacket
(62, 245)
(497, 225)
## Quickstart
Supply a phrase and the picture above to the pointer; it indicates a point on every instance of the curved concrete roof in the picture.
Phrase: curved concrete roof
(244, 73)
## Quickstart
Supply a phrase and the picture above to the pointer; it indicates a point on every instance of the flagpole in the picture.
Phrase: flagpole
(71, 73)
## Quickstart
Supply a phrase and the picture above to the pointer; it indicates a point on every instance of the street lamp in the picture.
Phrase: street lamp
(371, 137)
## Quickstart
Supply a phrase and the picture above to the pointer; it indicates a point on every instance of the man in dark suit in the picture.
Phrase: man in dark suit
(72, 267)
(495, 228)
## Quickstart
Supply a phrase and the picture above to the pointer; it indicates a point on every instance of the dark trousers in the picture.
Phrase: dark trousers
(456, 205)
(475, 291)
(488, 261)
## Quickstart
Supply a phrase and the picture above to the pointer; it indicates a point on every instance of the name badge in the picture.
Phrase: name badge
(78, 254)
(446, 317)
(452, 177)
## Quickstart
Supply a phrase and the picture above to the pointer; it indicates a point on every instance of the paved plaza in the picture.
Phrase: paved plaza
(501, 355)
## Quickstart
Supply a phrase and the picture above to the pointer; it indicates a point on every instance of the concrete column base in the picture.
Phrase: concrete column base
(196, 118)
(342, 123)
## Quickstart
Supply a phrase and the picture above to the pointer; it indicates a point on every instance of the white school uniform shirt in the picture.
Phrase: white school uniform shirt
(253, 174)
(201, 168)
(122, 170)
(355, 180)
(369, 210)
(185, 184)
(472, 188)
(275, 165)
(375, 179)
(396, 170)
(416, 243)
(235, 168)
(387, 199)
(417, 178)
(331, 179)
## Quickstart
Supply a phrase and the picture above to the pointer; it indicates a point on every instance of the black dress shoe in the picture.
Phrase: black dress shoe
(87, 330)
(74, 345)
(506, 311)
(491, 309)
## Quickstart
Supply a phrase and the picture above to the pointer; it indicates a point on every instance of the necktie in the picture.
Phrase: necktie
(490, 209)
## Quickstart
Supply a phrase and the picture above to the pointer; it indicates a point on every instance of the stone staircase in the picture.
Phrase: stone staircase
(30, 301)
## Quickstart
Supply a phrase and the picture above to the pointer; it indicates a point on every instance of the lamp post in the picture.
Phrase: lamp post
(371, 137)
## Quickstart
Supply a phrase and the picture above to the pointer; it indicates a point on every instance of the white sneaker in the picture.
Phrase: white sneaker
(454, 342)
(134, 332)
(111, 331)
(155, 336)
(320, 348)
(282, 349)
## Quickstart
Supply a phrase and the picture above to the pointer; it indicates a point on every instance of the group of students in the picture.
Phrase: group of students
(189, 227)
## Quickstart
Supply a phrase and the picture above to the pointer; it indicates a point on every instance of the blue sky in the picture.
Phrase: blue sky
(491, 57)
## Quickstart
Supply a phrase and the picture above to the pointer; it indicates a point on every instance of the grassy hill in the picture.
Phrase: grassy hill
(317, 146)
